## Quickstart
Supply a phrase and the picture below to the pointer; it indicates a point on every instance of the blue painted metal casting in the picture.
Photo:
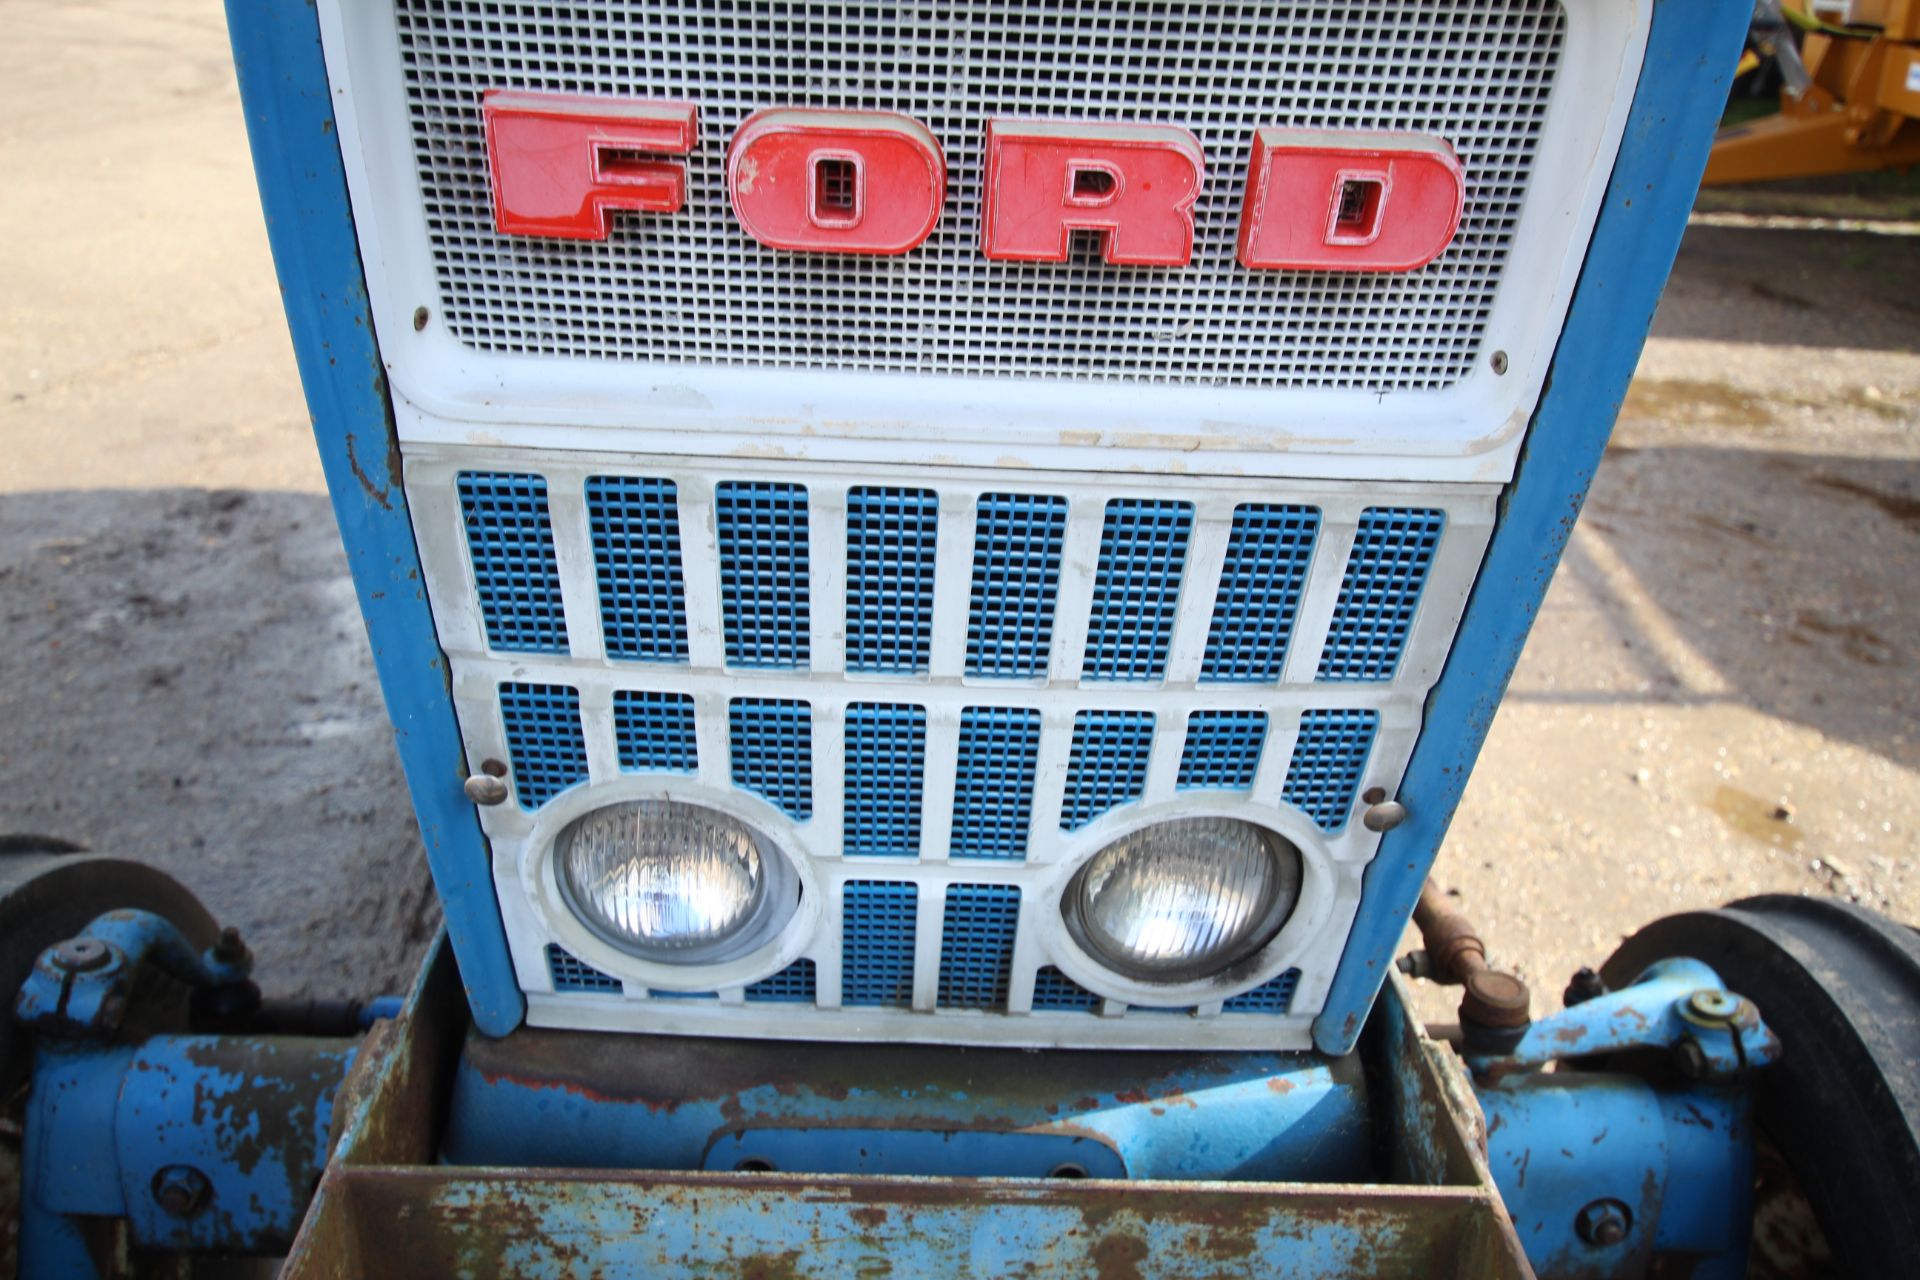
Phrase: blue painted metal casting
(569, 1099)
(202, 1143)
(199, 1142)
(1676, 1004)
(1674, 1170)
(80, 989)
(1671, 1169)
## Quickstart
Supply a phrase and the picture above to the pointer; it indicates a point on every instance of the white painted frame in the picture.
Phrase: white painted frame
(451, 394)
(1312, 939)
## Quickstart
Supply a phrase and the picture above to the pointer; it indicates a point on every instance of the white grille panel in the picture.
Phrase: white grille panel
(1015, 780)
(693, 288)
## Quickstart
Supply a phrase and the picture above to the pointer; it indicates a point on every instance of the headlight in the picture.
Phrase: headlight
(1184, 899)
(673, 883)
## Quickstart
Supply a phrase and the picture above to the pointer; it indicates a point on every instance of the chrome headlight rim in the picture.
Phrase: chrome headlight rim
(1242, 964)
(775, 897)
(789, 935)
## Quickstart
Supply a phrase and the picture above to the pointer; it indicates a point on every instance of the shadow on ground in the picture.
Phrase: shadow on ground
(1795, 287)
(185, 680)
(1789, 575)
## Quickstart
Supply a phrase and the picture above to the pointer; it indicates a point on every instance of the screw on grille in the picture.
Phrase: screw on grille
(1499, 362)
(1381, 813)
(1384, 816)
(420, 317)
(489, 786)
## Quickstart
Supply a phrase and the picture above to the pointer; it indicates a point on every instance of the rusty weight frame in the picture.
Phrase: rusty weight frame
(386, 1207)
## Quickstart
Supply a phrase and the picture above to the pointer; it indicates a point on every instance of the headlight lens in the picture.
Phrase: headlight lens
(670, 882)
(1184, 899)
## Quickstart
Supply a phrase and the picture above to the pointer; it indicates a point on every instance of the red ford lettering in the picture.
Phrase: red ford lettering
(1136, 184)
(563, 162)
(836, 181)
(876, 182)
(1338, 201)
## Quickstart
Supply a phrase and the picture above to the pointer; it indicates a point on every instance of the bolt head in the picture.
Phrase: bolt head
(1603, 1223)
(1713, 1004)
(1384, 816)
(181, 1190)
(1690, 1060)
(82, 955)
(1585, 985)
(485, 789)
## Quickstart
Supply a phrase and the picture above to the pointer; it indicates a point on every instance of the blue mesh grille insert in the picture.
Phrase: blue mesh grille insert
(1391, 555)
(772, 740)
(1223, 749)
(993, 782)
(572, 974)
(876, 942)
(1275, 995)
(545, 743)
(510, 539)
(1016, 575)
(654, 731)
(1143, 548)
(684, 995)
(1109, 764)
(635, 524)
(890, 548)
(792, 985)
(976, 945)
(764, 591)
(1328, 759)
(1260, 582)
(886, 746)
(1053, 989)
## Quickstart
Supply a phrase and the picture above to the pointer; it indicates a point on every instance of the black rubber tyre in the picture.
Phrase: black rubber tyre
(48, 897)
(1840, 986)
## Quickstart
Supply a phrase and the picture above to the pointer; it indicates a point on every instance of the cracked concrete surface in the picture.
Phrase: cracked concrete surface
(1718, 699)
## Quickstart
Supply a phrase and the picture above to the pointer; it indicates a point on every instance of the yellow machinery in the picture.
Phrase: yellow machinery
(1849, 97)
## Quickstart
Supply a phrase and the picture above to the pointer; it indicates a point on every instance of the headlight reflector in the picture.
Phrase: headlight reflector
(1183, 899)
(671, 882)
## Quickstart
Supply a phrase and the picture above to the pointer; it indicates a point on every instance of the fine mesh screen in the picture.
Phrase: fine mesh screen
(692, 287)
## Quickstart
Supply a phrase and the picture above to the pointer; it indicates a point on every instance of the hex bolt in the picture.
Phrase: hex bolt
(485, 789)
(1384, 816)
(1603, 1223)
(1690, 1060)
(1585, 985)
(230, 949)
(81, 955)
(181, 1190)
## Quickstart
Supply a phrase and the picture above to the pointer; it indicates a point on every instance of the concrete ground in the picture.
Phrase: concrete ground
(1718, 699)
